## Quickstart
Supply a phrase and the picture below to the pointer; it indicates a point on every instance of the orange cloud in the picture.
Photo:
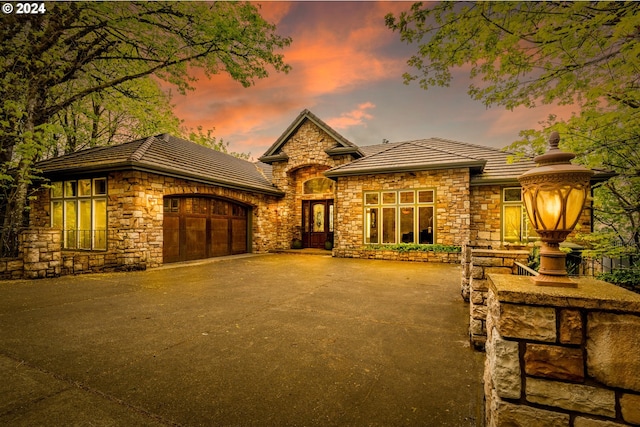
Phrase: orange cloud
(357, 117)
(333, 53)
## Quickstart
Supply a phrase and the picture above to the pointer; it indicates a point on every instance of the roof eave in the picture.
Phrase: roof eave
(142, 167)
(395, 169)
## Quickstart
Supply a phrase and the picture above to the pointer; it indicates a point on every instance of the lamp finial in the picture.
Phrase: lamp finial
(554, 140)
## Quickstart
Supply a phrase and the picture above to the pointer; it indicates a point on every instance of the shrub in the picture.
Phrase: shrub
(415, 247)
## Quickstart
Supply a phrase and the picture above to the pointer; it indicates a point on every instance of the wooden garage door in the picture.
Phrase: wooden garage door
(198, 227)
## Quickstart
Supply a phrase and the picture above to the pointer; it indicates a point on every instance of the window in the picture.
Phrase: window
(79, 208)
(404, 216)
(515, 223)
(318, 186)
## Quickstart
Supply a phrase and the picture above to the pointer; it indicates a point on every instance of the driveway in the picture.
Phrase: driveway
(258, 340)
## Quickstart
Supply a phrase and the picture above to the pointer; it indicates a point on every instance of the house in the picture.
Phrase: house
(162, 199)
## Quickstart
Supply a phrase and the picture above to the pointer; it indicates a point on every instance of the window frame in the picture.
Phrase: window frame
(375, 224)
(526, 232)
(72, 209)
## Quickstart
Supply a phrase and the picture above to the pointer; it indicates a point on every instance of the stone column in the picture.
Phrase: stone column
(565, 357)
(484, 262)
(41, 252)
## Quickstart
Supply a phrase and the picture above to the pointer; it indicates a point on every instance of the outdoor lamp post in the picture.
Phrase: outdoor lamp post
(554, 194)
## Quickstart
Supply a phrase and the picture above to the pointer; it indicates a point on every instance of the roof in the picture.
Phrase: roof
(488, 165)
(343, 146)
(170, 156)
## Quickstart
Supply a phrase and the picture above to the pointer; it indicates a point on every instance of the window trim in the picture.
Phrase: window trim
(528, 233)
(398, 206)
(66, 200)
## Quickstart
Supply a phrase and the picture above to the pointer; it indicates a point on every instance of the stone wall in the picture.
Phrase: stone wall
(39, 256)
(565, 357)
(483, 262)
(307, 159)
(486, 217)
(417, 256)
(135, 220)
(452, 205)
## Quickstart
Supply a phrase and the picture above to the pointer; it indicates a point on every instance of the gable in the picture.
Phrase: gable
(329, 141)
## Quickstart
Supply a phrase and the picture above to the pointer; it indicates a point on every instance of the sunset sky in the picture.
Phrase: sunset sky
(347, 69)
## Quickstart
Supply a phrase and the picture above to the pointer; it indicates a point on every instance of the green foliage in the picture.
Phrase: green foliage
(628, 278)
(208, 140)
(585, 54)
(415, 247)
(90, 70)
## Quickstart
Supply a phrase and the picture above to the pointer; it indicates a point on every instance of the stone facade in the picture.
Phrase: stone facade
(135, 217)
(452, 208)
(560, 356)
(306, 159)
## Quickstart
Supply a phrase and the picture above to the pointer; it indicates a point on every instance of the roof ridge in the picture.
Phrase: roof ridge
(485, 147)
(140, 151)
(395, 145)
(424, 142)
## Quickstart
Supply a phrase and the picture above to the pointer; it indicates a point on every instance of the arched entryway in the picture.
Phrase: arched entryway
(203, 227)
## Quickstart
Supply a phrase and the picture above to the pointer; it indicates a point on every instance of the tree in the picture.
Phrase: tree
(585, 54)
(77, 55)
(114, 116)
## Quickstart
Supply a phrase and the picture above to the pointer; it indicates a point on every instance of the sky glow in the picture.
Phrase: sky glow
(347, 69)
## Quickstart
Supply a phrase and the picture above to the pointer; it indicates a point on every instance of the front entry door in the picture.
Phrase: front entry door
(317, 223)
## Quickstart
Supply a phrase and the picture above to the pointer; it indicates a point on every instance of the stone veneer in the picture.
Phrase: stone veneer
(135, 219)
(307, 159)
(483, 262)
(485, 230)
(452, 208)
(565, 357)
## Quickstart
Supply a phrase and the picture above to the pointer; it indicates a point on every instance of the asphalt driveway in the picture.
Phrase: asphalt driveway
(262, 340)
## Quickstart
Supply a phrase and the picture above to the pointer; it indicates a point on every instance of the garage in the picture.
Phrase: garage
(202, 227)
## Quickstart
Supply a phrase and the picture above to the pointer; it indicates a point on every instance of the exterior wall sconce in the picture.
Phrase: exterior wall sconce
(554, 193)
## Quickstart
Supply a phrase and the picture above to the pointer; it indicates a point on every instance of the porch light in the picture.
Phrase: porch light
(554, 194)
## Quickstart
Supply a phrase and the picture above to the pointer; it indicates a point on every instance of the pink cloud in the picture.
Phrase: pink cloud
(328, 56)
(356, 117)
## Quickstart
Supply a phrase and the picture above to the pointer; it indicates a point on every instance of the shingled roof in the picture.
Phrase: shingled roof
(488, 165)
(165, 155)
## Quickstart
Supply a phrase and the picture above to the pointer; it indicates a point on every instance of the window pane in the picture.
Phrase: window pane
(389, 198)
(99, 186)
(84, 187)
(406, 197)
(425, 196)
(371, 199)
(318, 218)
(389, 225)
(406, 224)
(318, 186)
(512, 224)
(371, 226)
(56, 190)
(512, 195)
(56, 214)
(425, 224)
(70, 189)
(100, 224)
(70, 224)
(305, 217)
(84, 225)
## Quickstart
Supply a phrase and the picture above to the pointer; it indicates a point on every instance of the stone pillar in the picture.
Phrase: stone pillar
(565, 357)
(484, 262)
(41, 252)
(465, 260)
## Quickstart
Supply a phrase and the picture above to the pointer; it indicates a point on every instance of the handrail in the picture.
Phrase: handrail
(523, 270)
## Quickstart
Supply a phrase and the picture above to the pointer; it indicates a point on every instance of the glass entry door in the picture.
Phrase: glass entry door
(317, 223)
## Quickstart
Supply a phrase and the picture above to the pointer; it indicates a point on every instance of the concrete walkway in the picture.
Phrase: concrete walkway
(265, 340)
